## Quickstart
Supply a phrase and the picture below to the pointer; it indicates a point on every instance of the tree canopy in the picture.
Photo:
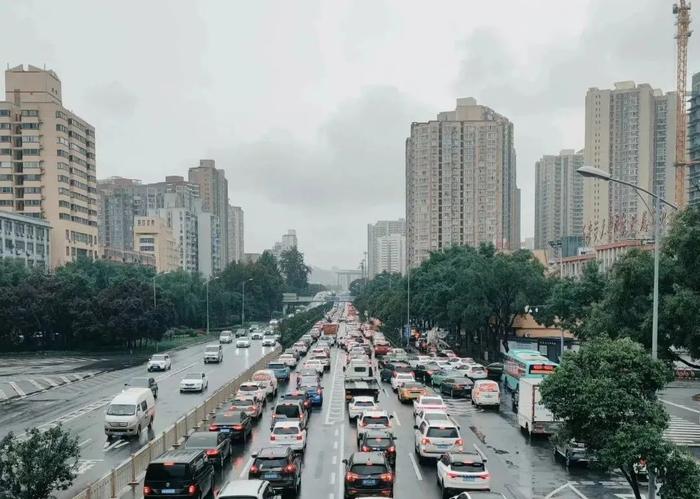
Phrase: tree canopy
(295, 271)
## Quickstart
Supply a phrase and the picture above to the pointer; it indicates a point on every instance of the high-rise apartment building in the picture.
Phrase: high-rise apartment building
(630, 133)
(116, 209)
(461, 182)
(384, 239)
(47, 162)
(236, 242)
(694, 142)
(288, 241)
(558, 197)
(208, 244)
(213, 191)
(152, 235)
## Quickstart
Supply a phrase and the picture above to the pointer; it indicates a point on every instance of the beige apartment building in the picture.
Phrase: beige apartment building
(461, 182)
(213, 191)
(630, 132)
(153, 236)
(47, 162)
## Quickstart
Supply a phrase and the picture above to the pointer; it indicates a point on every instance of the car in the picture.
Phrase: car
(256, 335)
(247, 489)
(481, 495)
(243, 342)
(368, 474)
(280, 368)
(159, 362)
(411, 391)
(323, 359)
(301, 347)
(373, 420)
(429, 402)
(381, 348)
(288, 359)
(360, 404)
(213, 353)
(144, 382)
(379, 441)
(438, 375)
(252, 390)
(476, 371)
(307, 380)
(130, 412)
(177, 472)
(289, 433)
(456, 386)
(195, 381)
(486, 392)
(269, 341)
(299, 396)
(424, 372)
(216, 446)
(432, 440)
(494, 371)
(280, 466)
(315, 394)
(315, 364)
(237, 425)
(252, 407)
(572, 452)
(240, 332)
(462, 471)
(398, 379)
(226, 337)
(266, 379)
(433, 416)
(289, 410)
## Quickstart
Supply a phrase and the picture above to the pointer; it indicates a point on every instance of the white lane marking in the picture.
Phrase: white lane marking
(173, 373)
(415, 466)
(121, 444)
(396, 419)
(335, 445)
(16, 388)
(335, 460)
(333, 379)
(50, 381)
(336, 432)
(37, 385)
(76, 377)
(84, 442)
(246, 468)
(341, 484)
(333, 478)
(65, 379)
(2, 395)
(569, 486)
(680, 406)
(110, 446)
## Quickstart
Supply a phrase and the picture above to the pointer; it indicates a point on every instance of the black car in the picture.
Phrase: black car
(379, 441)
(300, 396)
(236, 425)
(216, 446)
(280, 466)
(394, 367)
(179, 474)
(144, 382)
(457, 387)
(494, 371)
(368, 474)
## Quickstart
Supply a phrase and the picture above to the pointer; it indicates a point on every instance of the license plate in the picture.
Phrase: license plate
(443, 446)
(369, 483)
(271, 476)
(225, 430)
(167, 491)
(468, 478)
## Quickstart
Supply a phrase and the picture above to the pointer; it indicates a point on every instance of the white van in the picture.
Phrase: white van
(213, 353)
(226, 337)
(266, 379)
(486, 393)
(129, 413)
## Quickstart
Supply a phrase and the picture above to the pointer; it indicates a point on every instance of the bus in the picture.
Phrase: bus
(525, 364)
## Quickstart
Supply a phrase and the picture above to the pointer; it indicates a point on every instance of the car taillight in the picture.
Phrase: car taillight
(351, 477)
(237, 427)
(387, 477)
(254, 469)
(212, 452)
(272, 437)
(147, 490)
(213, 427)
(290, 468)
(300, 436)
(391, 450)
(452, 475)
(192, 490)
(364, 423)
(365, 448)
(485, 476)
(459, 442)
(425, 441)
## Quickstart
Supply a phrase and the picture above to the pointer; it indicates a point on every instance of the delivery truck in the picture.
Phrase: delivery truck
(533, 416)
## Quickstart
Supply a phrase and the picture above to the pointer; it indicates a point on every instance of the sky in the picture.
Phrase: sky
(307, 104)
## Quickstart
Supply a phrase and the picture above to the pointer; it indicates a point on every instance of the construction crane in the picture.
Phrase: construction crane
(682, 12)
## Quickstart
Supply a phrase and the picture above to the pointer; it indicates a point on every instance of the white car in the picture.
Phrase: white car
(195, 381)
(243, 343)
(429, 402)
(462, 471)
(289, 433)
(372, 420)
(476, 371)
(432, 440)
(315, 364)
(251, 390)
(400, 378)
(269, 341)
(226, 337)
(360, 404)
(267, 380)
(257, 335)
(433, 416)
(300, 347)
(321, 357)
(159, 362)
(289, 359)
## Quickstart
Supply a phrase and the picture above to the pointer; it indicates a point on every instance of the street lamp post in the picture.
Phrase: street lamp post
(593, 172)
(243, 301)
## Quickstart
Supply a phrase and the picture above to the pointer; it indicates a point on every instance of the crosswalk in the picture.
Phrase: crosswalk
(683, 432)
(24, 387)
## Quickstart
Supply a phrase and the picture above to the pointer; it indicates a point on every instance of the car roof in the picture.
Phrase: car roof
(363, 398)
(286, 423)
(378, 434)
(368, 457)
(471, 457)
(180, 455)
(130, 395)
(276, 451)
(237, 488)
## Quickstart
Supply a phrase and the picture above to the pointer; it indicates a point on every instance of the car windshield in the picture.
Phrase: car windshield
(468, 467)
(242, 403)
(271, 463)
(431, 401)
(291, 411)
(166, 471)
(412, 386)
(285, 430)
(229, 417)
(364, 403)
(202, 439)
(277, 365)
(121, 410)
(375, 420)
(249, 388)
(157, 357)
(442, 432)
(191, 376)
(212, 349)
(368, 469)
(380, 443)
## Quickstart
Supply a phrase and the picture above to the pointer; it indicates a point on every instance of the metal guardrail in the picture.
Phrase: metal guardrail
(128, 474)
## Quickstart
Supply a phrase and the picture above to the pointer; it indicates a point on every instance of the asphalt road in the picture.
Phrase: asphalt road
(520, 468)
(80, 405)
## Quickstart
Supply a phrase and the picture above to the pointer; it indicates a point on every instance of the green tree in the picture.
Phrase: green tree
(605, 395)
(680, 476)
(295, 271)
(35, 467)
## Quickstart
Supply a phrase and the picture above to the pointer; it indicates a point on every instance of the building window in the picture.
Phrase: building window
(30, 112)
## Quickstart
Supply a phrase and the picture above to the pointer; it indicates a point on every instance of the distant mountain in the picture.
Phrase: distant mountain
(323, 276)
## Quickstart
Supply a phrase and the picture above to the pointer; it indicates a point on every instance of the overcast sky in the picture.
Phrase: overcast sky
(306, 104)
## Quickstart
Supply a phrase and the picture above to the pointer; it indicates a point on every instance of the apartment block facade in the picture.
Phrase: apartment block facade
(236, 233)
(386, 247)
(213, 191)
(558, 197)
(694, 142)
(116, 209)
(630, 133)
(25, 239)
(208, 244)
(287, 242)
(461, 182)
(47, 162)
(153, 236)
